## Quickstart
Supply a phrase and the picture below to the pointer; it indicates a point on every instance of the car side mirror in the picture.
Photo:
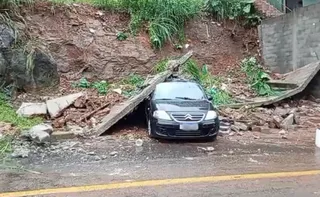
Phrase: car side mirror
(210, 98)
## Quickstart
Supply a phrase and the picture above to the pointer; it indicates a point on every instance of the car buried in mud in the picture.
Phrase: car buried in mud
(180, 109)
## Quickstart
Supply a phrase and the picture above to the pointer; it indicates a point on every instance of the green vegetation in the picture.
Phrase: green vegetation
(132, 83)
(211, 83)
(8, 114)
(5, 149)
(122, 36)
(163, 19)
(161, 66)
(256, 77)
(237, 10)
(9, 3)
(101, 86)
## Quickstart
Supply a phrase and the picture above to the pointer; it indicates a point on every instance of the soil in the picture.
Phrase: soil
(82, 37)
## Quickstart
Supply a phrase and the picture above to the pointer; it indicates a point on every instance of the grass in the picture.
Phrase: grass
(163, 19)
(8, 114)
(5, 149)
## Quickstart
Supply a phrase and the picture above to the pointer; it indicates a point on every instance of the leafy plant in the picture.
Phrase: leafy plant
(238, 10)
(256, 77)
(209, 82)
(134, 80)
(162, 18)
(132, 84)
(121, 36)
(83, 83)
(101, 86)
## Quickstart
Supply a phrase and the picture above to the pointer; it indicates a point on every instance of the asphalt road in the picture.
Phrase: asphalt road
(177, 170)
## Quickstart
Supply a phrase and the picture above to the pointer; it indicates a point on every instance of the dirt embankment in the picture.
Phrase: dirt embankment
(83, 42)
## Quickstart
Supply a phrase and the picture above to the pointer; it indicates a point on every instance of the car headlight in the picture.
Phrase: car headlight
(158, 114)
(211, 115)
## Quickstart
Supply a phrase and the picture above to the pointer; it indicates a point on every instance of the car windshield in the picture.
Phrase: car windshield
(178, 90)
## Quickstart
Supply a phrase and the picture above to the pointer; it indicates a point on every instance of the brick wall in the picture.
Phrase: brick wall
(292, 40)
(266, 8)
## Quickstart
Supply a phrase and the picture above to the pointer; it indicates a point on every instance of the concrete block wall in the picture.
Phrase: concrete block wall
(292, 40)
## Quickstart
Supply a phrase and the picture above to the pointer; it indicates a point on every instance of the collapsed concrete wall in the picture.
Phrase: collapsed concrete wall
(292, 40)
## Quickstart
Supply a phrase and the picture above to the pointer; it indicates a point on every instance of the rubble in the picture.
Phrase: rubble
(241, 126)
(20, 153)
(58, 105)
(32, 109)
(40, 133)
(277, 121)
(287, 122)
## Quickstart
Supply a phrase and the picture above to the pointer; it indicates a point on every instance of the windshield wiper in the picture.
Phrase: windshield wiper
(185, 98)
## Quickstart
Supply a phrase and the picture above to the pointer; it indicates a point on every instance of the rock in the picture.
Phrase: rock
(39, 133)
(113, 153)
(235, 128)
(42, 127)
(206, 149)
(103, 157)
(256, 128)
(297, 119)
(241, 126)
(58, 105)
(284, 137)
(277, 121)
(265, 130)
(262, 129)
(7, 37)
(80, 102)
(287, 122)
(20, 153)
(32, 109)
(39, 136)
(282, 132)
(281, 112)
(97, 158)
(118, 90)
(42, 73)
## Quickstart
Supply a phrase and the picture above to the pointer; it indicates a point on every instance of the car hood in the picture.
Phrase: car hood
(170, 106)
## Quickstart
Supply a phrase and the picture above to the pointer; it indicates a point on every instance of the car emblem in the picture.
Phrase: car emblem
(188, 117)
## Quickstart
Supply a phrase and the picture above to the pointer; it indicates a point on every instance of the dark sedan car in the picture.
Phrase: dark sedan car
(181, 109)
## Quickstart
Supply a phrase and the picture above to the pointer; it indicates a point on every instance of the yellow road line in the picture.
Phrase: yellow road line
(109, 186)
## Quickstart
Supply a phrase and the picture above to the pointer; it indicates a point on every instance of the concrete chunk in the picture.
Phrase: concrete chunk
(32, 109)
(287, 122)
(39, 133)
(58, 105)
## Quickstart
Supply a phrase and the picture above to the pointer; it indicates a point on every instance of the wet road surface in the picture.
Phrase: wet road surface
(156, 161)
